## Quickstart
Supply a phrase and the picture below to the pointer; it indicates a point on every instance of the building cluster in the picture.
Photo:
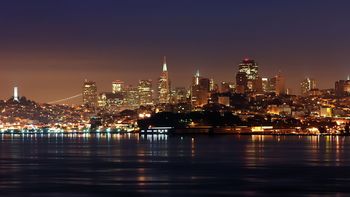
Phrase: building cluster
(255, 99)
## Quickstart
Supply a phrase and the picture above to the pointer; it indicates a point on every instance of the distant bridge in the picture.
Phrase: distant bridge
(65, 99)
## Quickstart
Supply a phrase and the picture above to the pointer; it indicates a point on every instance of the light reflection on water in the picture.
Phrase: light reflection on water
(111, 164)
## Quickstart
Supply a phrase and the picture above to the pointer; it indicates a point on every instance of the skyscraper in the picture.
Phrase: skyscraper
(164, 85)
(241, 83)
(90, 94)
(200, 90)
(145, 92)
(117, 86)
(131, 97)
(266, 85)
(247, 78)
(306, 85)
(342, 87)
(250, 68)
(278, 83)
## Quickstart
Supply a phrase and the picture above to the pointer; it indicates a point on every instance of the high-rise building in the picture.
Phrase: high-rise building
(241, 83)
(247, 78)
(164, 85)
(200, 90)
(342, 87)
(131, 97)
(266, 85)
(250, 68)
(278, 84)
(90, 94)
(117, 86)
(145, 92)
(307, 85)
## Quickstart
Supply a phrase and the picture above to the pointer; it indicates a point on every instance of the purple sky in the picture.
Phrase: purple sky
(49, 47)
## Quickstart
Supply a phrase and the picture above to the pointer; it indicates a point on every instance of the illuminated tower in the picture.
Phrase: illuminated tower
(200, 90)
(90, 94)
(306, 85)
(250, 68)
(117, 86)
(247, 78)
(145, 92)
(164, 85)
(15, 94)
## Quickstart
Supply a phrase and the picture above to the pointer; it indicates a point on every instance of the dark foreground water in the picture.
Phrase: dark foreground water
(119, 165)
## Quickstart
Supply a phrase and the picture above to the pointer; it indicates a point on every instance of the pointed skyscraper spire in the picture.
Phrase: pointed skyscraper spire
(197, 77)
(164, 64)
(197, 73)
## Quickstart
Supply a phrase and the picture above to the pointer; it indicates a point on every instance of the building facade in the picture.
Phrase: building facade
(200, 90)
(145, 92)
(90, 94)
(117, 86)
(307, 85)
(247, 78)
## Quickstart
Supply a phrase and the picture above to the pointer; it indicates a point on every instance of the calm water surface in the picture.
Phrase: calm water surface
(232, 165)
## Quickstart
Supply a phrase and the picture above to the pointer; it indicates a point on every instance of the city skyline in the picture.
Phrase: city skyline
(56, 44)
(174, 98)
(76, 99)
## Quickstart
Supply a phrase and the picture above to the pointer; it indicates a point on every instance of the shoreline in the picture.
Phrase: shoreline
(174, 134)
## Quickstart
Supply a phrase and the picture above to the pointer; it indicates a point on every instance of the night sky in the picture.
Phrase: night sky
(48, 48)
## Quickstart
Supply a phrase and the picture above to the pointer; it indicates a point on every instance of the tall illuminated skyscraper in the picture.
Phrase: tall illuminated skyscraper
(306, 85)
(132, 100)
(200, 90)
(247, 78)
(145, 92)
(164, 85)
(117, 86)
(90, 94)
(250, 68)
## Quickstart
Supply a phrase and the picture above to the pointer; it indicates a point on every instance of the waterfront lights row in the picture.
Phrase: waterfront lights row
(60, 130)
